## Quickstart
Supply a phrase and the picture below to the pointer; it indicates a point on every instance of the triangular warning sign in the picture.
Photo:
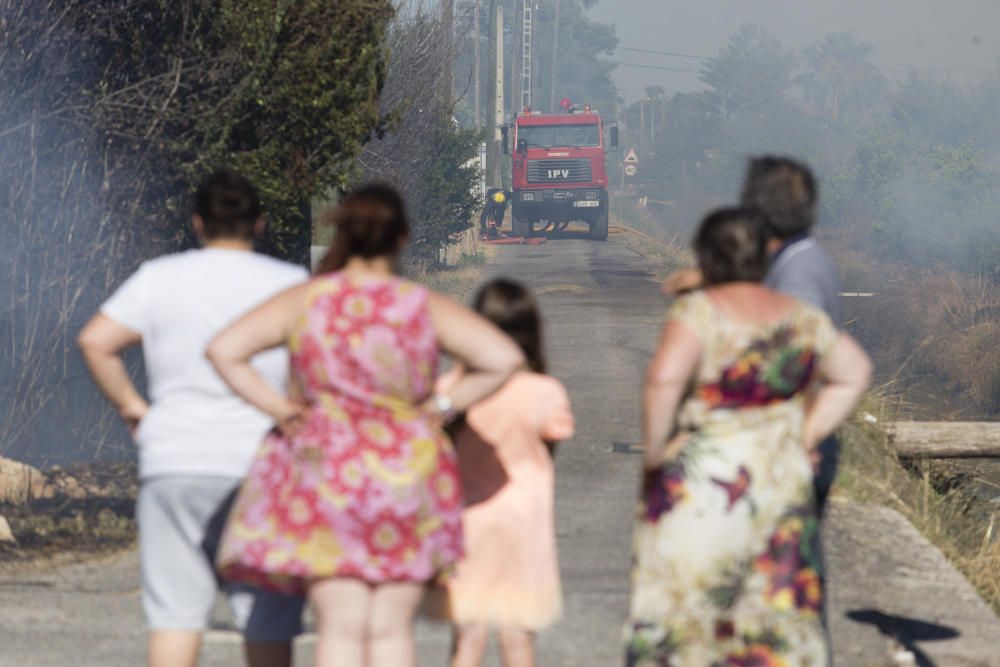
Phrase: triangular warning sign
(631, 156)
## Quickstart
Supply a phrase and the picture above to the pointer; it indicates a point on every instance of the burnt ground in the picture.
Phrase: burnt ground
(91, 513)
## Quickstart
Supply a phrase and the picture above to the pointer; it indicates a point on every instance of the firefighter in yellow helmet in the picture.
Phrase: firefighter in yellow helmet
(494, 210)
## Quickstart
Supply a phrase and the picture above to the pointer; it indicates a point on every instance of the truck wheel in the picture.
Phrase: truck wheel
(520, 227)
(599, 226)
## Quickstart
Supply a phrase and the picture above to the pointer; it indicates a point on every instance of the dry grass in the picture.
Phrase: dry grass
(458, 282)
(965, 313)
(645, 237)
(91, 512)
(669, 254)
(926, 321)
(937, 504)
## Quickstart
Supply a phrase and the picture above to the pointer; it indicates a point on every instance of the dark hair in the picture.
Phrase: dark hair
(731, 246)
(369, 222)
(784, 191)
(229, 206)
(513, 308)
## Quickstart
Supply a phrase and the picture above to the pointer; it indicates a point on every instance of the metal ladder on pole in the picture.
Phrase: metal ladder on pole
(526, 56)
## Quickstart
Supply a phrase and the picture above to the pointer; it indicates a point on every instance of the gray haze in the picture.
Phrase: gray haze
(960, 37)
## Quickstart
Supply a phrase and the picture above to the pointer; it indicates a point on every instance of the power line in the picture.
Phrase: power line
(656, 67)
(903, 68)
(662, 53)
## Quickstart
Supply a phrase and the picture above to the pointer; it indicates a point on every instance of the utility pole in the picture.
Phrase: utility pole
(623, 142)
(555, 60)
(498, 109)
(526, 25)
(516, 51)
(475, 50)
(652, 123)
(449, 25)
(642, 127)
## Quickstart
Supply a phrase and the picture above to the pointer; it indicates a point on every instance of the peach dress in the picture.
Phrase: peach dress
(510, 574)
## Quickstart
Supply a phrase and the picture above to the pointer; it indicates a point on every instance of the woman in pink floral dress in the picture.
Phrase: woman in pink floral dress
(355, 497)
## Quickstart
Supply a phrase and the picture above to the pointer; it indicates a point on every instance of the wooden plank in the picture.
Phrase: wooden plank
(946, 440)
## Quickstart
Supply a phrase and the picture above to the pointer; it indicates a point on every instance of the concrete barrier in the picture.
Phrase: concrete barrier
(946, 440)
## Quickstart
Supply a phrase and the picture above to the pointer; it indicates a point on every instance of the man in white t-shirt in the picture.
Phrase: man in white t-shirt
(196, 438)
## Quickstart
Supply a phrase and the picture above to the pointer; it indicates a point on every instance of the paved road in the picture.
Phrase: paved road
(603, 311)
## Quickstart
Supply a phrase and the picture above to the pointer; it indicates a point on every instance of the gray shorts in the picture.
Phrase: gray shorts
(180, 524)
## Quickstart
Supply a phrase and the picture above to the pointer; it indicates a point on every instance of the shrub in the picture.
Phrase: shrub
(110, 110)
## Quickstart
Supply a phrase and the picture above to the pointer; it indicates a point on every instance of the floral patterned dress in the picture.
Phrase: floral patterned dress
(368, 488)
(727, 568)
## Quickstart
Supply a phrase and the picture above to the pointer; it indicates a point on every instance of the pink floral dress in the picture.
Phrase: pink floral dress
(368, 488)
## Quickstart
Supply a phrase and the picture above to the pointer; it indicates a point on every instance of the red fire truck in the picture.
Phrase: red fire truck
(558, 173)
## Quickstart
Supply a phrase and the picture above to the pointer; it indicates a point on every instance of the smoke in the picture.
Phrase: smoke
(63, 247)
(893, 104)
(960, 43)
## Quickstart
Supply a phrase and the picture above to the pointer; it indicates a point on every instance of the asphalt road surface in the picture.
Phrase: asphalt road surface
(603, 312)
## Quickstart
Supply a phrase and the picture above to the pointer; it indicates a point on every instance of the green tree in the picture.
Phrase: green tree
(285, 92)
(686, 138)
(751, 75)
(424, 152)
(110, 111)
(447, 199)
(942, 111)
(840, 80)
(581, 73)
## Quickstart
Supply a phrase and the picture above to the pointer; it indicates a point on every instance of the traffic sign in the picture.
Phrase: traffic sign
(631, 170)
(631, 157)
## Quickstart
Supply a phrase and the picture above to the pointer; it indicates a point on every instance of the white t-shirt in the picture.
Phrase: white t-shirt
(196, 425)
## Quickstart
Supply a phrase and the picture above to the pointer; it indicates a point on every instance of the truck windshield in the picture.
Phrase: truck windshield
(552, 136)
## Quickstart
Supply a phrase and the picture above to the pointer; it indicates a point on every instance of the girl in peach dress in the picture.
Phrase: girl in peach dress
(509, 577)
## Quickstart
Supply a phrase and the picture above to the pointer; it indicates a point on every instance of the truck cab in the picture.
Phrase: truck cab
(558, 172)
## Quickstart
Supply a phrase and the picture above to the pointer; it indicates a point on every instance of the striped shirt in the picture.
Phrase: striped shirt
(803, 269)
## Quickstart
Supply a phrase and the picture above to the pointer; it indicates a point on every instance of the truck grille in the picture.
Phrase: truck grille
(559, 171)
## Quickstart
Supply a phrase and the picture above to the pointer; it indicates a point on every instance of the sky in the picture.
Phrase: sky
(958, 38)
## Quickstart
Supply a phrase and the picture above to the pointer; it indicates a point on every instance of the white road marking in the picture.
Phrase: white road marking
(234, 637)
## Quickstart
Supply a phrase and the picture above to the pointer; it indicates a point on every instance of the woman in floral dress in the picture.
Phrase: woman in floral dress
(355, 497)
(744, 384)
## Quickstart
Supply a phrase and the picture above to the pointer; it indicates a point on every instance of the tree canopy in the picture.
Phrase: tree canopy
(750, 76)
(110, 111)
(839, 78)
(908, 169)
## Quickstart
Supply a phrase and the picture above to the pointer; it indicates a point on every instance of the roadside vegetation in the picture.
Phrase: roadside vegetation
(423, 150)
(910, 187)
(929, 494)
(647, 237)
(109, 113)
(927, 322)
(69, 513)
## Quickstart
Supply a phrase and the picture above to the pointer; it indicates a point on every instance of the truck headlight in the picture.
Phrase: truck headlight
(591, 194)
(528, 196)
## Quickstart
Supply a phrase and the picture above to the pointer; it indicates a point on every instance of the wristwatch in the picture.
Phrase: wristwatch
(444, 405)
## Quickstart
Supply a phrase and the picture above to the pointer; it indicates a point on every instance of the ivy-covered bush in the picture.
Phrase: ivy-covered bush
(110, 112)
